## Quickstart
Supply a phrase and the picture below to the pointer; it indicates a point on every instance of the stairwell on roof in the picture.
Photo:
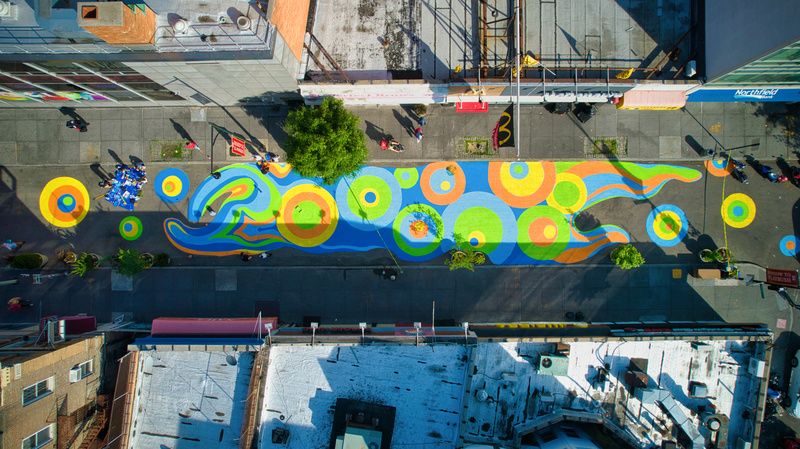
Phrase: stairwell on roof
(118, 22)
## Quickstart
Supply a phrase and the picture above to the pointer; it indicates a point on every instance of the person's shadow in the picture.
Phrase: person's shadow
(405, 122)
(71, 113)
(181, 130)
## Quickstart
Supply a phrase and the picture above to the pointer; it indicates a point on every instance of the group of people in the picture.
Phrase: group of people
(262, 162)
(390, 143)
(125, 188)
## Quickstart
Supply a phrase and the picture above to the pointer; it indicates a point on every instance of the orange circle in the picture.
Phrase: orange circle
(294, 201)
(421, 232)
(498, 172)
(60, 191)
(459, 180)
(543, 232)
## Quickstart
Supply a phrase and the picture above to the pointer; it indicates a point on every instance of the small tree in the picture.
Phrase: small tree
(627, 257)
(128, 262)
(325, 141)
(84, 264)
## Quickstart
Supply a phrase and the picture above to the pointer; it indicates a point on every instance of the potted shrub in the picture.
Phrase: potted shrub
(627, 257)
(128, 262)
(722, 255)
(162, 260)
(420, 110)
(148, 260)
(706, 255)
(67, 256)
(464, 256)
(28, 261)
(84, 264)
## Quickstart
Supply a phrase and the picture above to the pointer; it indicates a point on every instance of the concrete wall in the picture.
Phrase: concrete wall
(20, 422)
(741, 31)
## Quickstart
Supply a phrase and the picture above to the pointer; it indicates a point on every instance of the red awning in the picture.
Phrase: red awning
(652, 99)
(211, 326)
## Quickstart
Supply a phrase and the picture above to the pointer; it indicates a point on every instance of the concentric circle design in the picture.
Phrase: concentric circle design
(667, 225)
(406, 177)
(522, 184)
(542, 232)
(719, 167)
(569, 193)
(485, 222)
(788, 245)
(308, 215)
(130, 228)
(443, 182)
(171, 185)
(418, 230)
(738, 210)
(371, 200)
(64, 202)
(279, 169)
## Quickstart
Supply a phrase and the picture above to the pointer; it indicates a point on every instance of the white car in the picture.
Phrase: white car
(794, 386)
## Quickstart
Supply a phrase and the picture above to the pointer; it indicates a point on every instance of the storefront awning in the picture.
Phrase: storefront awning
(652, 99)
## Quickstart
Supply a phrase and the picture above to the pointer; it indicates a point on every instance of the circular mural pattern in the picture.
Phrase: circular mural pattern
(719, 167)
(130, 228)
(522, 184)
(371, 200)
(738, 210)
(171, 185)
(667, 225)
(542, 232)
(569, 193)
(788, 245)
(406, 177)
(64, 202)
(443, 182)
(279, 169)
(484, 222)
(418, 230)
(308, 215)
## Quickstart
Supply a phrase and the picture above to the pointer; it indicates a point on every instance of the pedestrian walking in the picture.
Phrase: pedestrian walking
(265, 255)
(264, 167)
(211, 211)
(418, 134)
(77, 124)
(246, 257)
(423, 120)
(12, 245)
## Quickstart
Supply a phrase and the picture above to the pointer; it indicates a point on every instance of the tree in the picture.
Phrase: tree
(325, 141)
(627, 257)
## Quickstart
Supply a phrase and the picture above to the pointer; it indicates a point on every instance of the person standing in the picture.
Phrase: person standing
(191, 145)
(418, 134)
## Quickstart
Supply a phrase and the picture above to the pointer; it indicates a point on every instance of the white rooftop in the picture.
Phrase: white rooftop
(424, 383)
(190, 399)
(508, 390)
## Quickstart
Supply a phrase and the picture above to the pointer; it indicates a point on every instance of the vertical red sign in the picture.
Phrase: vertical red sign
(237, 146)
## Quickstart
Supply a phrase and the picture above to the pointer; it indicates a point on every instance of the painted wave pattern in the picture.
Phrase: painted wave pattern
(515, 212)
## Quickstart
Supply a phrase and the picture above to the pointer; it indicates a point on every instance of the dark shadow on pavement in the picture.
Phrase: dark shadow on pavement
(181, 130)
(696, 146)
(374, 132)
(116, 157)
(405, 122)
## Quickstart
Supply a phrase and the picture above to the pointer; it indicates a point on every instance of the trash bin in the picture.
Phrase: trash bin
(584, 112)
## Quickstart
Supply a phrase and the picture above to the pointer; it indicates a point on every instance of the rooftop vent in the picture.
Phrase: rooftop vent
(89, 12)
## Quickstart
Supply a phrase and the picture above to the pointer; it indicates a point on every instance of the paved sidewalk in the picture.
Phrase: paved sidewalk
(39, 137)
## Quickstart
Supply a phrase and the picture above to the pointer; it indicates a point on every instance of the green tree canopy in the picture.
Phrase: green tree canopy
(627, 257)
(325, 141)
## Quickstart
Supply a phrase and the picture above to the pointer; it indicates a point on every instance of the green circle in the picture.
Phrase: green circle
(541, 252)
(306, 214)
(480, 219)
(136, 222)
(68, 200)
(406, 177)
(668, 220)
(372, 211)
(422, 211)
(566, 193)
(732, 211)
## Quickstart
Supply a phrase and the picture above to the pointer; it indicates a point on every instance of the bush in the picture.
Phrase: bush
(128, 262)
(28, 261)
(420, 109)
(627, 257)
(706, 255)
(84, 264)
(325, 141)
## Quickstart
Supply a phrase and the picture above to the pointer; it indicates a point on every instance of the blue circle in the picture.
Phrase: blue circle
(370, 197)
(128, 227)
(162, 175)
(738, 211)
(788, 245)
(438, 178)
(681, 233)
(473, 241)
(496, 205)
(405, 175)
(66, 203)
(519, 170)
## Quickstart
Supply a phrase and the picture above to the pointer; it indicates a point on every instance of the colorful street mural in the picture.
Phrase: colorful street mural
(738, 210)
(788, 245)
(515, 212)
(130, 228)
(64, 202)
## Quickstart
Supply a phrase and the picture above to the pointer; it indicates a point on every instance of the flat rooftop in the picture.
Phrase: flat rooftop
(424, 383)
(190, 399)
(448, 38)
(530, 390)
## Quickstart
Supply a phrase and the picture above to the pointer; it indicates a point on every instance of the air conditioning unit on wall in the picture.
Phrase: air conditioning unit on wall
(74, 375)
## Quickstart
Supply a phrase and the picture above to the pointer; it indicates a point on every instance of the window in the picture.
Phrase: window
(39, 438)
(81, 371)
(37, 391)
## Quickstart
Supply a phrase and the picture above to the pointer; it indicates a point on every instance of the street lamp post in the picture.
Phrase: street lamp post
(214, 174)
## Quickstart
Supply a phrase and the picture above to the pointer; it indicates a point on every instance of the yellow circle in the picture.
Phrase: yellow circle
(365, 202)
(479, 236)
(48, 202)
(670, 234)
(729, 206)
(171, 185)
(445, 185)
(316, 234)
(549, 232)
(556, 198)
(522, 186)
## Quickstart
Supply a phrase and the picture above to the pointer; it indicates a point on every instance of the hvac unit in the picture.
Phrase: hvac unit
(180, 26)
(553, 365)
(756, 367)
(7, 10)
(74, 375)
